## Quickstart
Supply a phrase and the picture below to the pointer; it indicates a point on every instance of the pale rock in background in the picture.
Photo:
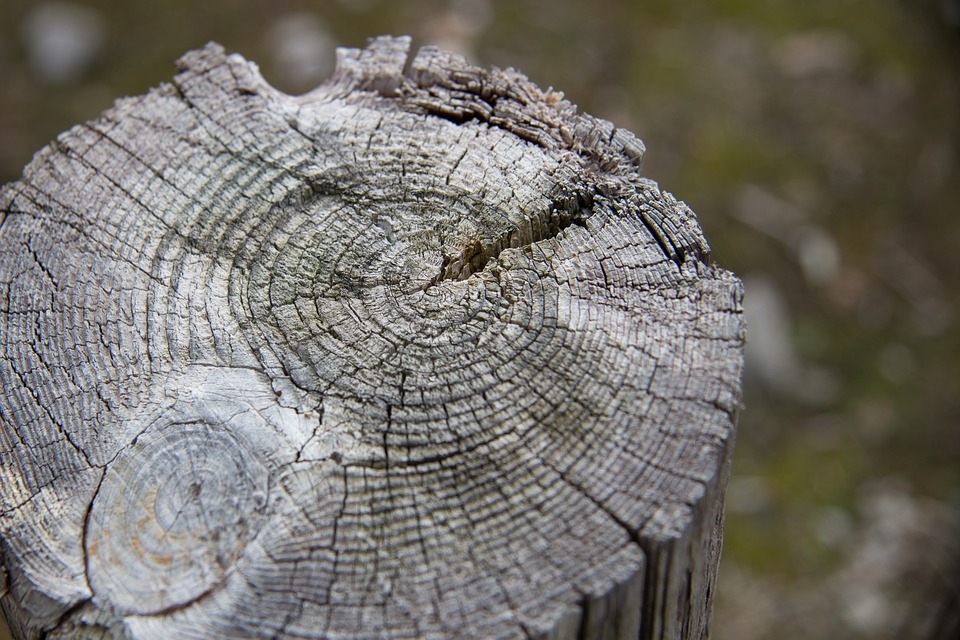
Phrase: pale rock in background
(62, 40)
(301, 50)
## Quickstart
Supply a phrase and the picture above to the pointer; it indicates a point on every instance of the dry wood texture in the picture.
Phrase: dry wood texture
(417, 354)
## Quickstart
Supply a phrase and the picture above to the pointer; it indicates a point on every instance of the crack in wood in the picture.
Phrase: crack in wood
(476, 254)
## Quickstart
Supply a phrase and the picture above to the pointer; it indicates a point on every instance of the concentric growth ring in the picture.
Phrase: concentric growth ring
(370, 298)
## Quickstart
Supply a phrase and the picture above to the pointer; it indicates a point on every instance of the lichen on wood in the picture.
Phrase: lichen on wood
(419, 353)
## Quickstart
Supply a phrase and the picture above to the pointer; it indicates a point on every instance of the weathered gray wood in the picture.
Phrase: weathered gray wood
(417, 354)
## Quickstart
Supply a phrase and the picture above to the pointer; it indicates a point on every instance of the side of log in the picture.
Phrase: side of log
(417, 354)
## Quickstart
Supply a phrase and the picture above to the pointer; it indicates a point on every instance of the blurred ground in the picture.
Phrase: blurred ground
(819, 143)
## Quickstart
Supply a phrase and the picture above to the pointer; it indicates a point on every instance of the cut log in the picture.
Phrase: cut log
(417, 354)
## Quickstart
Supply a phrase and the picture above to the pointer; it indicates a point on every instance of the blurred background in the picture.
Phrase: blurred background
(819, 143)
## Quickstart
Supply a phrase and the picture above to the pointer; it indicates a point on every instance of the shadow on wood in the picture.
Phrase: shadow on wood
(417, 354)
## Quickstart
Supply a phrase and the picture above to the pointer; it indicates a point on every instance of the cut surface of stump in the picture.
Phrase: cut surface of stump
(417, 354)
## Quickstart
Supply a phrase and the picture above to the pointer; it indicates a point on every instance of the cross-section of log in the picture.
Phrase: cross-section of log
(418, 354)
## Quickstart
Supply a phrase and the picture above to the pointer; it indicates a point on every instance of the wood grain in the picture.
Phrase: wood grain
(417, 354)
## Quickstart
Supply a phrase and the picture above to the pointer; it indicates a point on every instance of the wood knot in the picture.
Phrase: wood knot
(172, 514)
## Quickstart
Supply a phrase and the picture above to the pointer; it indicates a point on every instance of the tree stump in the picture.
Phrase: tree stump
(417, 354)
